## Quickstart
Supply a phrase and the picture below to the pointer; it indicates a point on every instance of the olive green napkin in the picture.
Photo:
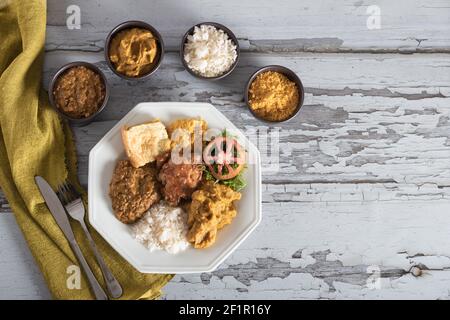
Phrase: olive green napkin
(34, 141)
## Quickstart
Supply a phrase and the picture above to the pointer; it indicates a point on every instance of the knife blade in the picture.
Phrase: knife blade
(56, 208)
(59, 214)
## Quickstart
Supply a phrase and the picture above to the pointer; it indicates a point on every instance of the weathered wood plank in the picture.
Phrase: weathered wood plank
(332, 234)
(318, 250)
(312, 26)
(299, 284)
(4, 205)
(366, 118)
(328, 251)
(329, 193)
(20, 278)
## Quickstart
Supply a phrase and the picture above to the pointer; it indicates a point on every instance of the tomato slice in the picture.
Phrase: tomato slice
(224, 157)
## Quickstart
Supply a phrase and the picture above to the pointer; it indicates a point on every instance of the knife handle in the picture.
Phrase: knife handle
(95, 286)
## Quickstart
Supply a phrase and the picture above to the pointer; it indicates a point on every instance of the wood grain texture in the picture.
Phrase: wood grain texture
(364, 178)
(327, 250)
(286, 25)
(366, 118)
(321, 242)
(20, 278)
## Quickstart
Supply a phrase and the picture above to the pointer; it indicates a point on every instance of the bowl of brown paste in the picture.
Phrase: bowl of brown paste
(134, 50)
(79, 92)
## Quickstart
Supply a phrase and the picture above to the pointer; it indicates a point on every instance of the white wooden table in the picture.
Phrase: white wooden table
(363, 191)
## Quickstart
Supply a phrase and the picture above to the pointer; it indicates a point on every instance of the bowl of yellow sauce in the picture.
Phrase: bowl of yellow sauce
(134, 50)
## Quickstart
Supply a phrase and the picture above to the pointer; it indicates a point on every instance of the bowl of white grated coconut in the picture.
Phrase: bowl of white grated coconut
(209, 51)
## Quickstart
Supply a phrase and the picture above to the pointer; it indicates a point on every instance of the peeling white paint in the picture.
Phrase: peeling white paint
(292, 26)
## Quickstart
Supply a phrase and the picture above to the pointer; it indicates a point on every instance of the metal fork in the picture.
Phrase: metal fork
(71, 200)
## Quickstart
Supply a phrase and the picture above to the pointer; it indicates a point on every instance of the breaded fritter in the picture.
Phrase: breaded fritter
(211, 209)
(133, 190)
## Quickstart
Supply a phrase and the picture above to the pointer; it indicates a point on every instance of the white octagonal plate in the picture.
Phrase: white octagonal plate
(109, 149)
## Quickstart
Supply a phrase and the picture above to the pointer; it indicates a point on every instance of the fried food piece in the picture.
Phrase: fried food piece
(211, 209)
(184, 131)
(133, 190)
(162, 159)
(144, 142)
(179, 181)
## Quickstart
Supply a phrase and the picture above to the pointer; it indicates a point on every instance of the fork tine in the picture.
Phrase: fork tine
(64, 194)
(67, 195)
(68, 192)
(74, 190)
(60, 194)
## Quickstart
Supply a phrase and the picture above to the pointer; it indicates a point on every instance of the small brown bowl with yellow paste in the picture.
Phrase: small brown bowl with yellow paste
(134, 50)
(79, 92)
(274, 94)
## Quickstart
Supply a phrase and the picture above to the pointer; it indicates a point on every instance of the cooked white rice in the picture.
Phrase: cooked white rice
(164, 228)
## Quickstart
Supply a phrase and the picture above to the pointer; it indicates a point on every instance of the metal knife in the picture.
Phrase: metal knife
(58, 212)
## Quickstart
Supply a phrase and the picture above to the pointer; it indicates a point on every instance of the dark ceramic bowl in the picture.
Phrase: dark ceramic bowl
(77, 121)
(231, 36)
(135, 24)
(290, 75)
